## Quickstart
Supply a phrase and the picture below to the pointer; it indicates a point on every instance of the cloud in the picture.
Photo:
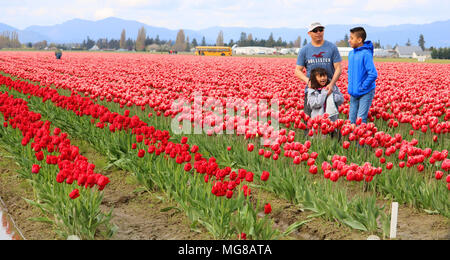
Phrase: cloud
(103, 13)
(200, 14)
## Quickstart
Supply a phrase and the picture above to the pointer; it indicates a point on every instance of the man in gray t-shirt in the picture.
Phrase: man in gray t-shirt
(318, 53)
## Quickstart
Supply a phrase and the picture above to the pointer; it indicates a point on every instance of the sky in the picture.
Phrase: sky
(201, 14)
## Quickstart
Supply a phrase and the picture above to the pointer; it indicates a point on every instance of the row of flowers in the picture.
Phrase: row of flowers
(149, 147)
(55, 169)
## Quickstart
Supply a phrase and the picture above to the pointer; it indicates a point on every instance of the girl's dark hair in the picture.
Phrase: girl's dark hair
(317, 71)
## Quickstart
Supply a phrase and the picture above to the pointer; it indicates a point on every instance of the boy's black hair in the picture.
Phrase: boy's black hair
(359, 32)
(317, 71)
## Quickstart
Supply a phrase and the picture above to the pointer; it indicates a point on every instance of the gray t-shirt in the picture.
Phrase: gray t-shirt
(324, 56)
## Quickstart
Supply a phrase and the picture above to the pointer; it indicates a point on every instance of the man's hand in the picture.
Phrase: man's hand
(329, 88)
(299, 73)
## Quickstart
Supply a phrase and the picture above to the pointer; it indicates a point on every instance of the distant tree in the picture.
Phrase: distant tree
(9, 40)
(231, 43)
(130, 44)
(88, 43)
(270, 42)
(408, 43)
(157, 40)
(305, 42)
(422, 42)
(279, 42)
(102, 43)
(344, 42)
(194, 43)
(40, 45)
(149, 41)
(203, 41)
(114, 44)
(188, 44)
(441, 53)
(123, 43)
(243, 37)
(298, 42)
(243, 40)
(180, 42)
(140, 41)
(377, 44)
(219, 40)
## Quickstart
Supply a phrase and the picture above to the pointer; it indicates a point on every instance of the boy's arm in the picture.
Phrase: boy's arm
(372, 73)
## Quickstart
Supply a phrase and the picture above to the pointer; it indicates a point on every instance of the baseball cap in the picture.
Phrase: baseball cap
(314, 25)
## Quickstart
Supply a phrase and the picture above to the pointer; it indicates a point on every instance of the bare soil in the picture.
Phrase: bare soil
(143, 215)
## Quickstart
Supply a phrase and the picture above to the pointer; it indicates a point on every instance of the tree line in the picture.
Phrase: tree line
(9, 40)
(182, 43)
(440, 53)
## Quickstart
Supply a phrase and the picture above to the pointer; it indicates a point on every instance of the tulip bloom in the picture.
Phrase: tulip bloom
(74, 194)
(35, 169)
(267, 208)
(265, 176)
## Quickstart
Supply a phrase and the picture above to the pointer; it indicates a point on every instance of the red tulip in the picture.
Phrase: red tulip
(35, 169)
(267, 208)
(438, 175)
(250, 147)
(74, 194)
(346, 144)
(265, 176)
(389, 165)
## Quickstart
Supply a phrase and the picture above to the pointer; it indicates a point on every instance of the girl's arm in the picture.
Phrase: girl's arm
(338, 96)
(316, 100)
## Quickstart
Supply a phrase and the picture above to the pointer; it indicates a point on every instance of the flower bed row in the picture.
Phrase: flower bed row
(323, 199)
(64, 182)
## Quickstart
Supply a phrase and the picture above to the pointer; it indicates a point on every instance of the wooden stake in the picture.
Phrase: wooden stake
(394, 214)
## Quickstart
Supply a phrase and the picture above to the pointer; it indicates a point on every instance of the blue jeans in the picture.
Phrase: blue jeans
(359, 107)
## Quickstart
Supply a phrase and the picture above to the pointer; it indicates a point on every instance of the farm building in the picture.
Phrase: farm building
(407, 51)
(287, 51)
(254, 50)
(95, 48)
(384, 53)
(344, 51)
(421, 55)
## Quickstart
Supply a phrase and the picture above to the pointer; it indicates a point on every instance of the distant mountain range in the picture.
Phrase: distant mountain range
(436, 34)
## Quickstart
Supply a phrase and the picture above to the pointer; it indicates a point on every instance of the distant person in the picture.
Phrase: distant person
(58, 54)
(318, 53)
(361, 75)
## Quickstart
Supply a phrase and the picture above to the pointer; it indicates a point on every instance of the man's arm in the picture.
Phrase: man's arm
(336, 75)
(299, 73)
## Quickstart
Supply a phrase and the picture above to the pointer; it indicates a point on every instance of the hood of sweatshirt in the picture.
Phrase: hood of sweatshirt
(366, 46)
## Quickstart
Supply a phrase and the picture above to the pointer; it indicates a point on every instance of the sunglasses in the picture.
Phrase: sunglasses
(319, 29)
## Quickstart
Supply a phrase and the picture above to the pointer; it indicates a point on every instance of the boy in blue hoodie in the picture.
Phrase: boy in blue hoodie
(361, 75)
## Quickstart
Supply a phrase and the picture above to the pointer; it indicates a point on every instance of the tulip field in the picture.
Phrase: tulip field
(213, 133)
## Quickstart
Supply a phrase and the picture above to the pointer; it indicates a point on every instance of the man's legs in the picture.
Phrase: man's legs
(364, 105)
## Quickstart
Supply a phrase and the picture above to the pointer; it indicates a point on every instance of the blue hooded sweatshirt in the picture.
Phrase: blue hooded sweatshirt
(361, 70)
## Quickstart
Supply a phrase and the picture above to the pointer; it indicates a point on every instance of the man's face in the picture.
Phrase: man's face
(317, 34)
